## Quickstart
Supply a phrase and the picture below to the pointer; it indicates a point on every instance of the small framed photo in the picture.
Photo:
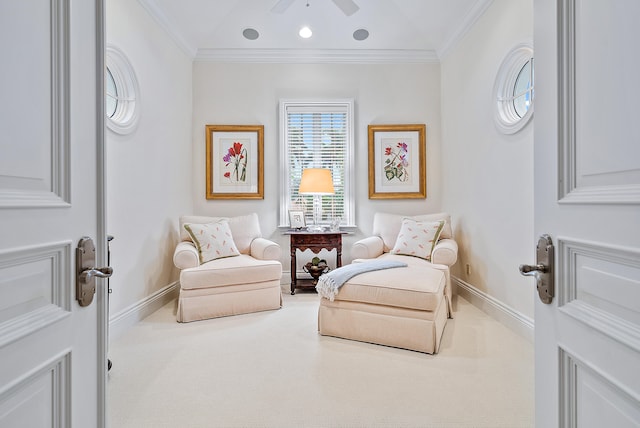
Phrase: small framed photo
(296, 219)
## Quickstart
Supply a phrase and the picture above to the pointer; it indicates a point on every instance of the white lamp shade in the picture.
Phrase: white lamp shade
(316, 181)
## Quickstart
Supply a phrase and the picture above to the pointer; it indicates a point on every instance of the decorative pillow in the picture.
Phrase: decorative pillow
(417, 238)
(213, 240)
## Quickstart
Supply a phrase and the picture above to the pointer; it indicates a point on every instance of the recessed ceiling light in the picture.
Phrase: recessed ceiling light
(250, 33)
(360, 34)
(305, 32)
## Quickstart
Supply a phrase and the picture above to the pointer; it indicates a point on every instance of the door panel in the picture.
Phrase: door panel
(597, 400)
(587, 197)
(53, 370)
(35, 107)
(599, 93)
(34, 289)
(601, 288)
(40, 398)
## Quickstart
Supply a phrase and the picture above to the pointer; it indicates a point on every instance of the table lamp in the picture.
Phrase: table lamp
(316, 182)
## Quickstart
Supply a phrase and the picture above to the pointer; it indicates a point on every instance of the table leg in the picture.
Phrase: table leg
(293, 270)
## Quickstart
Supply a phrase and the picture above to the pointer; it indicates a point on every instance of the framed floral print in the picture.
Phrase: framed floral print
(397, 162)
(235, 161)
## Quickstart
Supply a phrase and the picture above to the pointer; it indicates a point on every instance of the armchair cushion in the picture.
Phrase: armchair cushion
(417, 238)
(213, 240)
(245, 229)
(231, 271)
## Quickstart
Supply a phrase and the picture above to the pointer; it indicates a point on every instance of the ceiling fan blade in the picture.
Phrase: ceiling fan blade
(348, 7)
(281, 6)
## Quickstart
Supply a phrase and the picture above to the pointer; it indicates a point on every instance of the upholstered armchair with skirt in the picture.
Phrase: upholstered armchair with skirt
(227, 268)
(406, 306)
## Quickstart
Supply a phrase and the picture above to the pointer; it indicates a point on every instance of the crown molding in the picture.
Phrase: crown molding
(342, 56)
(318, 56)
(469, 20)
(169, 26)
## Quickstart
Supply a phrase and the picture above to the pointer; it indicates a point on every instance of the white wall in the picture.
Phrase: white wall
(148, 172)
(237, 94)
(488, 176)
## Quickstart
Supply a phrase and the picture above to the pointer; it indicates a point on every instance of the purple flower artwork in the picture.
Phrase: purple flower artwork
(396, 162)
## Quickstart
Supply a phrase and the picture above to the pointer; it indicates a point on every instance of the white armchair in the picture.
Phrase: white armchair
(232, 270)
(405, 307)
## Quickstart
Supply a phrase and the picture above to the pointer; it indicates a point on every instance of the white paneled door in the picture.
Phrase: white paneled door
(587, 197)
(52, 359)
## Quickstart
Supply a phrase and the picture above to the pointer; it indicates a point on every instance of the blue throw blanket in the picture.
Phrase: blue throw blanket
(329, 283)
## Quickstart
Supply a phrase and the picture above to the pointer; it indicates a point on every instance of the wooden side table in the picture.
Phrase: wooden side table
(314, 241)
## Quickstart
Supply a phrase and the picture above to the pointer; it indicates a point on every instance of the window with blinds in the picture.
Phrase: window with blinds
(317, 135)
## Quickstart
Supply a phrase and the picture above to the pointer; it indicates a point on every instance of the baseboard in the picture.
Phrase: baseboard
(506, 315)
(123, 320)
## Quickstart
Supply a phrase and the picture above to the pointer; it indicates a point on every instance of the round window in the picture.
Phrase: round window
(122, 95)
(513, 90)
(111, 95)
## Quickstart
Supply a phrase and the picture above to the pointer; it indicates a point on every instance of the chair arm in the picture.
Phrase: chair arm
(264, 249)
(367, 248)
(186, 255)
(445, 252)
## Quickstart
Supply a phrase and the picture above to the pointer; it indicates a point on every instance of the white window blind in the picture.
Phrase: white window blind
(317, 135)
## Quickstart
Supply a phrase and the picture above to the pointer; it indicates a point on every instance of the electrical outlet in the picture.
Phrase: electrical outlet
(468, 268)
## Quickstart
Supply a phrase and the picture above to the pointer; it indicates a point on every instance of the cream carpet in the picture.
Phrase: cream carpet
(272, 369)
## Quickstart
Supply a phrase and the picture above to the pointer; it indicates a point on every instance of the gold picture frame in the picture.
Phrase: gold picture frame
(397, 161)
(235, 161)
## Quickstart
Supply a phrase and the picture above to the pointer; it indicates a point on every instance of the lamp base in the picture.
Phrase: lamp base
(316, 228)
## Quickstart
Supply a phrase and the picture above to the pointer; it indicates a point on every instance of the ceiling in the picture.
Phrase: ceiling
(413, 30)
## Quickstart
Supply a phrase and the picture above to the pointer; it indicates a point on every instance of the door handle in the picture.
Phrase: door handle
(87, 275)
(530, 270)
(86, 272)
(542, 271)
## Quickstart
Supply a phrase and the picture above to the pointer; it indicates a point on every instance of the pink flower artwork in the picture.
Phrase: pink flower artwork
(396, 162)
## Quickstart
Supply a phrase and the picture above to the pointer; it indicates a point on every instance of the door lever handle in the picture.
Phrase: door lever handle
(530, 270)
(87, 275)
(542, 271)
(535, 271)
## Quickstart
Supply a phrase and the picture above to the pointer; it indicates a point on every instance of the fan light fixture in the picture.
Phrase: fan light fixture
(348, 7)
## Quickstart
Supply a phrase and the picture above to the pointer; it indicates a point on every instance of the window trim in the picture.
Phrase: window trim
(285, 194)
(125, 118)
(506, 119)
(110, 81)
